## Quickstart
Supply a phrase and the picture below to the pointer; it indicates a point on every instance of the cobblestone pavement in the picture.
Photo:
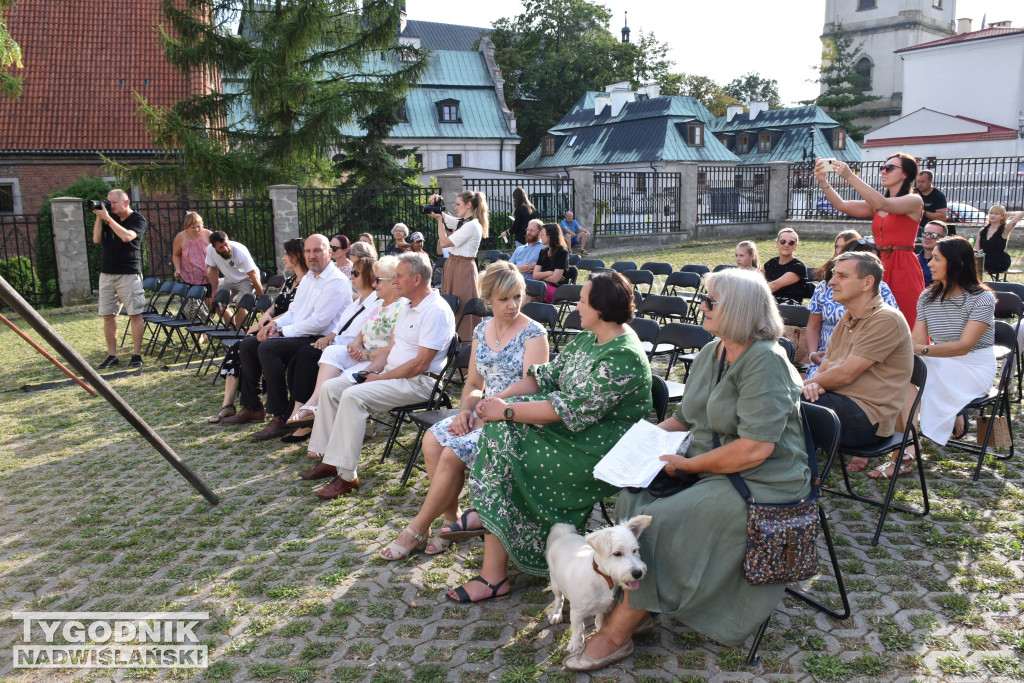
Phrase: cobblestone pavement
(93, 519)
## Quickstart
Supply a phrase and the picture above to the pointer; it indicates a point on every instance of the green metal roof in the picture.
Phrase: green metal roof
(450, 68)
(792, 143)
(776, 118)
(478, 109)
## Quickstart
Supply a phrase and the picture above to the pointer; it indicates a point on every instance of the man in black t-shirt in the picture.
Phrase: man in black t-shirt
(120, 233)
(935, 208)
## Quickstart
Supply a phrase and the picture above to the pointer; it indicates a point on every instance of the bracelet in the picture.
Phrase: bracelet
(924, 351)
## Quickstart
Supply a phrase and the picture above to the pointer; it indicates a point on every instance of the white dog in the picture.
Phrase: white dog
(586, 571)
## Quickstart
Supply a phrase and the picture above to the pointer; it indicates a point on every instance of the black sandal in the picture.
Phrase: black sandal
(967, 427)
(458, 530)
(463, 595)
(221, 414)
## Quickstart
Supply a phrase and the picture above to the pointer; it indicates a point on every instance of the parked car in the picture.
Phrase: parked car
(958, 212)
(824, 206)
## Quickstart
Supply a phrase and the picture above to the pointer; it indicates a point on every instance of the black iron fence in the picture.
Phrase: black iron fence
(552, 197)
(970, 186)
(247, 221)
(27, 258)
(636, 203)
(732, 194)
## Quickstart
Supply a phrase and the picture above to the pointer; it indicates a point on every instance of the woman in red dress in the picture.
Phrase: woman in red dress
(896, 215)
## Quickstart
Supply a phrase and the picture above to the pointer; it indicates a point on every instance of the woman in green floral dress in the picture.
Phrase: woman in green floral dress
(537, 454)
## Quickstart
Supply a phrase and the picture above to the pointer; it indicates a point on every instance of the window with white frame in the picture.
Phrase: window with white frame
(10, 195)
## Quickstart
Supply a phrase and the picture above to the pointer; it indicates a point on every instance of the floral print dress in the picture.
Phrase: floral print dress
(528, 477)
(500, 369)
(379, 325)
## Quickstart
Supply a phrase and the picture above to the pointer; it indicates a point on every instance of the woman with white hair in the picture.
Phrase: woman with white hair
(742, 407)
(400, 246)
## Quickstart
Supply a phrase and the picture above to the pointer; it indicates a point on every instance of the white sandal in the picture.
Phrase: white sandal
(305, 421)
(438, 544)
(400, 552)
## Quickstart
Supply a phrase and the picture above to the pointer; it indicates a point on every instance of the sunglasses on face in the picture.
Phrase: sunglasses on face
(378, 280)
(788, 243)
(932, 235)
(334, 248)
(706, 300)
(888, 168)
(355, 273)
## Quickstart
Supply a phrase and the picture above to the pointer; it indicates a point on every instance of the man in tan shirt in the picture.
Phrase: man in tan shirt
(869, 360)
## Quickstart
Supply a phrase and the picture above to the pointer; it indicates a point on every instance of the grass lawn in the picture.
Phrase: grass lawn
(95, 520)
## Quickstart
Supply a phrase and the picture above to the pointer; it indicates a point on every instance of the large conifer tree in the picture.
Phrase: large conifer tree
(283, 78)
(845, 88)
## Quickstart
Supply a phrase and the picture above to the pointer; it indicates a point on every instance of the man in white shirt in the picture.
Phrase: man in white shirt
(319, 300)
(240, 273)
(404, 374)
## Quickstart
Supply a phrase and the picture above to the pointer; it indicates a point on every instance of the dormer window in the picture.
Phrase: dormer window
(725, 140)
(838, 139)
(742, 144)
(547, 146)
(400, 114)
(764, 143)
(448, 111)
(695, 135)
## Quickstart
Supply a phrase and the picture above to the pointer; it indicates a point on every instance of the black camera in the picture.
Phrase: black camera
(97, 204)
(433, 209)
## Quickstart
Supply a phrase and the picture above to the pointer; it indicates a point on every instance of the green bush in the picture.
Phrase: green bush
(18, 271)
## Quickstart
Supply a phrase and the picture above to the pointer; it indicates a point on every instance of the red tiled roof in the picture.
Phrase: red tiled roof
(965, 37)
(82, 61)
(994, 132)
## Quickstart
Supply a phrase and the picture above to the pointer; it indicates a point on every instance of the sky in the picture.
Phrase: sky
(724, 39)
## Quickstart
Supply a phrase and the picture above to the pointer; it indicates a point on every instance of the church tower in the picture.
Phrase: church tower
(881, 27)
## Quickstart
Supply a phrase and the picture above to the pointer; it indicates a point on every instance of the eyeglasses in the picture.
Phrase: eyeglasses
(706, 300)
(377, 280)
(888, 168)
(334, 248)
(355, 273)
(788, 243)
(932, 235)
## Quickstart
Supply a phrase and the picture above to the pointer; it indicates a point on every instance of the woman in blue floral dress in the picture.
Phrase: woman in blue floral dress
(504, 346)
(536, 456)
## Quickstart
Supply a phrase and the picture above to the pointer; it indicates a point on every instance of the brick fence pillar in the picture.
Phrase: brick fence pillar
(71, 249)
(778, 191)
(449, 186)
(583, 198)
(285, 202)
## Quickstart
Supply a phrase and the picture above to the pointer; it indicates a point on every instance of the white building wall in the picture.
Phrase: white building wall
(477, 153)
(981, 79)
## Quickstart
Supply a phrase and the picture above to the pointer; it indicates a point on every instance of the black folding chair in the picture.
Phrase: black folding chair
(546, 315)
(898, 441)
(639, 278)
(686, 286)
(696, 268)
(723, 266)
(648, 331)
(997, 399)
(176, 328)
(665, 309)
(658, 267)
(824, 426)
(590, 264)
(623, 266)
(1007, 310)
(794, 315)
(475, 306)
(151, 285)
(566, 297)
(574, 259)
(687, 340)
(536, 289)
(452, 301)
(490, 256)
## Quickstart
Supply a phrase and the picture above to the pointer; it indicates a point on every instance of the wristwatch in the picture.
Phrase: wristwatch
(510, 413)
(924, 351)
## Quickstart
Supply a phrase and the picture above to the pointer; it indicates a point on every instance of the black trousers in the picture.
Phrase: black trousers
(269, 359)
(302, 373)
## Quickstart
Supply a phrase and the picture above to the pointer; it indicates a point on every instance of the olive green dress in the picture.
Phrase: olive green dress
(695, 545)
(527, 477)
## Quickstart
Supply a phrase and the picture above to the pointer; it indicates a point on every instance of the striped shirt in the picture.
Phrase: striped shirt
(947, 318)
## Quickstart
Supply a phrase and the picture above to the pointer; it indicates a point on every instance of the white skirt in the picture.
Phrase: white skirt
(337, 356)
(953, 383)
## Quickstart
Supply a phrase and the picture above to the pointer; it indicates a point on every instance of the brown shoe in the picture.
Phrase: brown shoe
(274, 429)
(337, 487)
(321, 471)
(245, 416)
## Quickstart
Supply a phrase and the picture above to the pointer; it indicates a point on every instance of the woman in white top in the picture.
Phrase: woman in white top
(460, 271)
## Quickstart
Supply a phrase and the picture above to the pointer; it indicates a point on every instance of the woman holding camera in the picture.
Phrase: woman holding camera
(460, 272)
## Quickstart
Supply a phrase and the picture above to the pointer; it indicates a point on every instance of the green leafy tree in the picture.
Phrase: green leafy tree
(755, 87)
(555, 51)
(650, 61)
(10, 55)
(845, 89)
(701, 88)
(294, 74)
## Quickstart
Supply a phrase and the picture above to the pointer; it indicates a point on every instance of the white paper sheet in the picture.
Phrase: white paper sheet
(635, 459)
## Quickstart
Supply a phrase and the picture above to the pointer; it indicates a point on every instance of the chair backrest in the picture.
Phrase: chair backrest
(658, 267)
(664, 307)
(590, 263)
(536, 289)
(574, 259)
(572, 274)
(684, 336)
(1012, 287)
(723, 266)
(794, 315)
(567, 294)
(492, 255)
(659, 394)
(640, 277)
(787, 344)
(452, 300)
(623, 266)
(275, 281)
(646, 329)
(1006, 337)
(545, 314)
(573, 321)
(681, 280)
(151, 283)
(456, 353)
(695, 268)
(1008, 305)
(475, 306)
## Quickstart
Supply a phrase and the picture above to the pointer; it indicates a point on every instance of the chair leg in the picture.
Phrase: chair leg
(752, 657)
(414, 455)
(836, 571)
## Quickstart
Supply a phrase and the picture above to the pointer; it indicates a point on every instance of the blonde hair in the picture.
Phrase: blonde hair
(784, 231)
(745, 306)
(191, 218)
(1001, 209)
(501, 279)
(386, 266)
(478, 200)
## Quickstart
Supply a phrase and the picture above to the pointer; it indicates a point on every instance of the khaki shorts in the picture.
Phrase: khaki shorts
(237, 289)
(121, 290)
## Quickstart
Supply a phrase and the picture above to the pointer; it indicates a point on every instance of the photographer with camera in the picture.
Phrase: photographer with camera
(119, 230)
(460, 271)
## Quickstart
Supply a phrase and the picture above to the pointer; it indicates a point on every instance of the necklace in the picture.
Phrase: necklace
(497, 337)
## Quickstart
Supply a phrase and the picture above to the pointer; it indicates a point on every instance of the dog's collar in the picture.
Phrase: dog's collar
(604, 576)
